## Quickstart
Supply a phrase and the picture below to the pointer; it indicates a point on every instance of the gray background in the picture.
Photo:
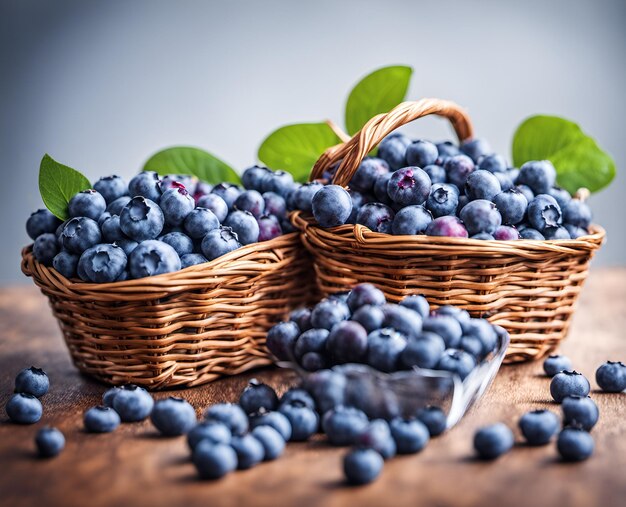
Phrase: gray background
(102, 85)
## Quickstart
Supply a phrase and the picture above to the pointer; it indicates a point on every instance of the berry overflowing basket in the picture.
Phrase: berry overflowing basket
(180, 308)
(528, 284)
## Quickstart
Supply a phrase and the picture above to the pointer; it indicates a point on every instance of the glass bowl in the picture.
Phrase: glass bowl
(403, 393)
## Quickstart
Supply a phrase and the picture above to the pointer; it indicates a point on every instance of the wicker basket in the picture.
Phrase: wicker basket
(184, 328)
(529, 287)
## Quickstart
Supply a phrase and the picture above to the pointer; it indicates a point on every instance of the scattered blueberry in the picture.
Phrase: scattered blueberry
(24, 409)
(32, 381)
(343, 425)
(575, 444)
(50, 442)
(214, 431)
(362, 466)
(214, 461)
(539, 426)
(229, 414)
(133, 403)
(410, 435)
(101, 419)
(250, 451)
(257, 396)
(556, 363)
(492, 441)
(611, 377)
(303, 419)
(271, 440)
(173, 416)
(579, 411)
(434, 419)
(568, 383)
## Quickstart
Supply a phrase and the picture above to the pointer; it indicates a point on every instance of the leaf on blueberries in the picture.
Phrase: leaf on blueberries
(191, 161)
(578, 160)
(295, 148)
(376, 93)
(58, 183)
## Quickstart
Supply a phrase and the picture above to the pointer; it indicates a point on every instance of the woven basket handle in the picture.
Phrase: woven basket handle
(375, 130)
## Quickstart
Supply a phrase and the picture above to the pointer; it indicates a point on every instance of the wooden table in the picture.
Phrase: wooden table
(134, 466)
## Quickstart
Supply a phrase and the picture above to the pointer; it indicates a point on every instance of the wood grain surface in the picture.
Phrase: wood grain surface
(134, 466)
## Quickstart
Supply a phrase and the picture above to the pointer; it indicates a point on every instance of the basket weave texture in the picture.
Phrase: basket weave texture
(528, 287)
(184, 328)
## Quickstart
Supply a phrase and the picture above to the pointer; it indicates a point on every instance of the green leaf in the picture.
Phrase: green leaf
(58, 183)
(191, 161)
(295, 148)
(376, 93)
(578, 160)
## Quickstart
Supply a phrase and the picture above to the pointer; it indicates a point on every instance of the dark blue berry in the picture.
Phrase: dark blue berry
(216, 204)
(152, 258)
(111, 230)
(365, 294)
(302, 317)
(133, 403)
(402, 319)
(271, 440)
(192, 259)
(556, 233)
(299, 395)
(32, 381)
(303, 419)
(392, 149)
(482, 184)
(214, 431)
(49, 442)
(111, 188)
(79, 234)
(101, 419)
(568, 383)
(179, 241)
(275, 204)
(199, 222)
(281, 339)
(269, 227)
(423, 351)
(493, 441)
(410, 435)
(579, 411)
(343, 425)
(561, 196)
(328, 389)
(116, 207)
(24, 409)
(436, 173)
(141, 219)
(279, 182)
(231, 415)
(65, 263)
(556, 363)
(445, 326)
(434, 419)
(347, 342)
(176, 204)
(443, 200)
(577, 213)
(251, 201)
(421, 153)
(416, 303)
(481, 215)
(250, 451)
(458, 168)
(512, 205)
(331, 206)
(376, 216)
(41, 222)
(380, 188)
(457, 361)
(384, 349)
(447, 226)
(611, 377)
(370, 317)
(329, 312)
(539, 175)
(109, 395)
(102, 263)
(575, 444)
(411, 220)
(275, 419)
(409, 185)
(173, 416)
(145, 184)
(365, 176)
(252, 177)
(476, 148)
(219, 242)
(532, 234)
(214, 461)
(257, 396)
(377, 436)
(493, 163)
(362, 466)
(506, 233)
(228, 192)
(303, 197)
(539, 426)
(312, 340)
(88, 203)
(244, 225)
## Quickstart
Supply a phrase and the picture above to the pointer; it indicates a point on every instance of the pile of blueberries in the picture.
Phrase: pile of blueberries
(580, 413)
(154, 225)
(361, 327)
(418, 187)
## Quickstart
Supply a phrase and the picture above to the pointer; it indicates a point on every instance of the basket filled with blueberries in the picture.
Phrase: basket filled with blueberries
(452, 221)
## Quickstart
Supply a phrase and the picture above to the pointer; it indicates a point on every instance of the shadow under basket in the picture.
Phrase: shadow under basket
(184, 328)
(528, 287)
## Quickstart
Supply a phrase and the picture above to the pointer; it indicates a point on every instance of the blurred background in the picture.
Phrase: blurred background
(100, 86)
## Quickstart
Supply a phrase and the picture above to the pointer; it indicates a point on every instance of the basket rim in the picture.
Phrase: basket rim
(305, 221)
(168, 281)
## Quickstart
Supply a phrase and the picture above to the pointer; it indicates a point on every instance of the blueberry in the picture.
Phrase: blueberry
(392, 149)
(302, 317)
(540, 176)
(214, 461)
(402, 319)
(611, 377)
(133, 403)
(458, 168)
(410, 435)
(447, 226)
(368, 171)
(271, 440)
(24, 409)
(45, 248)
(556, 363)
(176, 204)
(445, 326)
(79, 234)
(303, 196)
(539, 426)
(32, 381)
(192, 259)
(202, 188)
(577, 213)
(513, 173)
(365, 294)
(411, 220)
(526, 191)
(116, 207)
(251, 201)
(493, 163)
(433, 418)
(409, 185)
(312, 340)
(216, 204)
(109, 395)
(231, 415)
(331, 206)
(228, 192)
(568, 383)
(313, 361)
(101, 420)
(482, 330)
(436, 173)
(512, 205)
(274, 204)
(457, 361)
(579, 411)
(41, 222)
(443, 200)
(49, 442)
(213, 431)
(328, 388)
(102, 263)
(556, 233)
(377, 436)
(199, 222)
(484, 236)
(141, 219)
(376, 216)
(473, 346)
(173, 416)
(111, 188)
(423, 351)
(561, 196)
(530, 233)
(303, 419)
(421, 153)
(463, 200)
(252, 177)
(482, 184)
(347, 342)
(447, 149)
(298, 396)
(279, 182)
(506, 183)
(481, 215)
(145, 184)
(250, 451)
(152, 258)
(459, 314)
(180, 242)
(417, 303)
(329, 312)
(575, 444)
(370, 317)
(244, 225)
(343, 425)
(362, 466)
(493, 441)
(128, 245)
(281, 339)
(380, 188)
(88, 203)
(111, 230)
(575, 232)
(275, 419)
(385, 347)
(476, 149)
(219, 242)
(257, 396)
(506, 233)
